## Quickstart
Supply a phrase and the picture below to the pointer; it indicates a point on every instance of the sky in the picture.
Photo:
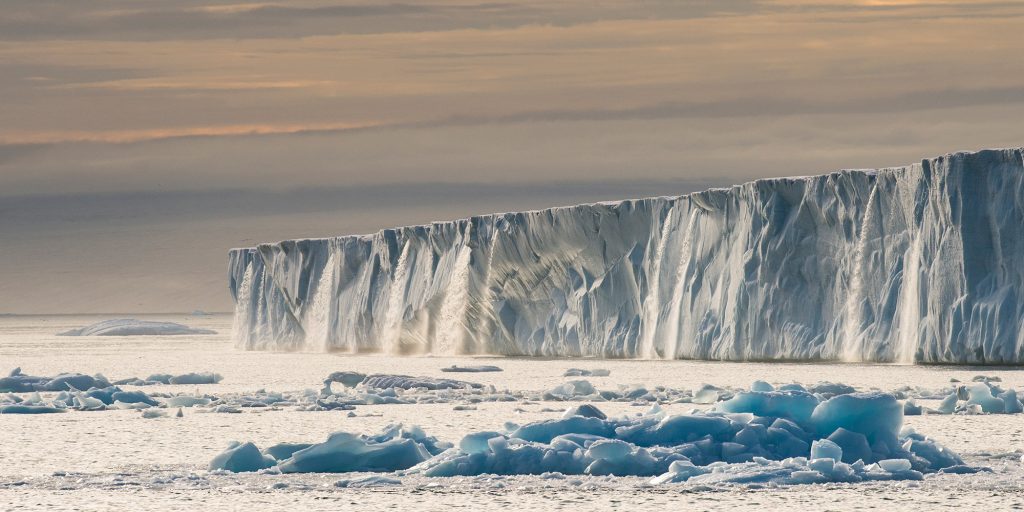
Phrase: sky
(140, 140)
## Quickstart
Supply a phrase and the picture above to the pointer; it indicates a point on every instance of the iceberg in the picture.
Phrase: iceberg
(919, 263)
(132, 327)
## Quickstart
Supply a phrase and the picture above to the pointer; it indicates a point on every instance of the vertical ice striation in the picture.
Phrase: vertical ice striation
(923, 263)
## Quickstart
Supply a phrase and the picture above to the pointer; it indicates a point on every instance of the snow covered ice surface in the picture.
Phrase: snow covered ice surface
(903, 264)
(115, 458)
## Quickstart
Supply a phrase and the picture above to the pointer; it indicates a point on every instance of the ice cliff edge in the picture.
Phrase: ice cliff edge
(923, 263)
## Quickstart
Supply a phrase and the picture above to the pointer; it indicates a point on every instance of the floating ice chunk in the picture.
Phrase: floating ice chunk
(948, 404)
(282, 451)
(831, 389)
(585, 410)
(186, 401)
(877, 416)
(368, 481)
(964, 470)
(761, 386)
(196, 378)
(823, 466)
(381, 381)
(910, 408)
(394, 449)
(18, 382)
(29, 409)
(985, 378)
(580, 372)
(571, 389)
(128, 406)
(132, 327)
(471, 369)
(928, 454)
(545, 431)
(167, 378)
(347, 379)
(894, 465)
(679, 471)
(153, 413)
(1011, 404)
(794, 471)
(610, 449)
(795, 405)
(981, 395)
(241, 458)
(825, 449)
(84, 402)
(33, 399)
(133, 397)
(854, 445)
(708, 394)
(512, 457)
(105, 395)
(477, 442)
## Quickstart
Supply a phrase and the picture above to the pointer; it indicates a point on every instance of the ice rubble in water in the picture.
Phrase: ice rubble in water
(782, 437)
(132, 327)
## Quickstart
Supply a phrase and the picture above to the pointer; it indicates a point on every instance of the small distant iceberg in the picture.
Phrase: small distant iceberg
(471, 369)
(132, 327)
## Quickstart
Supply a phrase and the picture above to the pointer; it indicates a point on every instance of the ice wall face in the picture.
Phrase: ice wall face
(923, 263)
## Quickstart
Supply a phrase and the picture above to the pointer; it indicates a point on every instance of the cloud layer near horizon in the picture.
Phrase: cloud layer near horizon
(129, 112)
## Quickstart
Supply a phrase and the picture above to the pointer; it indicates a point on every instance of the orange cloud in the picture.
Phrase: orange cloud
(128, 136)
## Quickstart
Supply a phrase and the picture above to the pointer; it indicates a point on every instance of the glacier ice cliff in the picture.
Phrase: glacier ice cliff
(922, 263)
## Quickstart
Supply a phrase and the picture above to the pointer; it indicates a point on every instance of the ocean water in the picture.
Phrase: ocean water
(118, 460)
